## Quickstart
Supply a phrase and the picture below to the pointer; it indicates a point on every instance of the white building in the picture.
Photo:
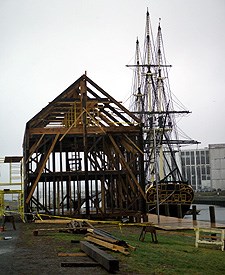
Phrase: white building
(205, 168)
(196, 168)
(217, 165)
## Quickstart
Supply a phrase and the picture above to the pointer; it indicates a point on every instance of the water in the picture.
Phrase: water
(205, 216)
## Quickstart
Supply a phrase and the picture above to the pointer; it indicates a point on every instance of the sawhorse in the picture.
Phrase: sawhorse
(150, 229)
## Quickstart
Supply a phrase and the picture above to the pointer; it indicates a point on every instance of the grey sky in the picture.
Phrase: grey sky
(47, 44)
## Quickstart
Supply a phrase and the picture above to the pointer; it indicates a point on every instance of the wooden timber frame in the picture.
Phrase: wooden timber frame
(83, 156)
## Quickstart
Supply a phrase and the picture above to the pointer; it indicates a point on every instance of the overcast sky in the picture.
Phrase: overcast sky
(45, 45)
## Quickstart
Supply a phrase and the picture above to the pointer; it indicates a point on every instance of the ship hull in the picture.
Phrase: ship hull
(174, 199)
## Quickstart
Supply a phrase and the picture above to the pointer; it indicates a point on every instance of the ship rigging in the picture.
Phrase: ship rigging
(168, 192)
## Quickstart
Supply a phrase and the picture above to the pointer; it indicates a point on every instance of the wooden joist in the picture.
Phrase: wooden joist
(104, 259)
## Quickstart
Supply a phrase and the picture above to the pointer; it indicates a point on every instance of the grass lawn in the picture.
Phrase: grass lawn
(175, 252)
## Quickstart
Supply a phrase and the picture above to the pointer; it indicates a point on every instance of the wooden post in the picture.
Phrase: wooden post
(167, 210)
(83, 90)
(179, 211)
(212, 215)
(194, 213)
(145, 218)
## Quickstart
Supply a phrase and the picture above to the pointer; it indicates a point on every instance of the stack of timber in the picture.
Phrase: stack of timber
(105, 239)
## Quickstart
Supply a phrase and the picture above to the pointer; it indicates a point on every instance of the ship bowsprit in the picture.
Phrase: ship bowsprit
(174, 198)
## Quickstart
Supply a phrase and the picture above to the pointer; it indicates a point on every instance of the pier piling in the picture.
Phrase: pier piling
(212, 215)
(194, 213)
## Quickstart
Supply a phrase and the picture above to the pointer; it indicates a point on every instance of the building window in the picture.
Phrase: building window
(188, 173)
(207, 157)
(192, 158)
(203, 170)
(197, 158)
(188, 161)
(202, 158)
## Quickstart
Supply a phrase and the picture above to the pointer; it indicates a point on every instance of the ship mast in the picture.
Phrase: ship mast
(154, 106)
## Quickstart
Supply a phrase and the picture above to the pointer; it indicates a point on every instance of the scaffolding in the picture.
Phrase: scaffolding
(11, 191)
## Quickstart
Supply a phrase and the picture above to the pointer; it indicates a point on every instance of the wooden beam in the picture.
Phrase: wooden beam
(127, 167)
(41, 169)
(74, 123)
(106, 260)
(79, 130)
(108, 245)
(35, 146)
(36, 231)
(79, 264)
(112, 100)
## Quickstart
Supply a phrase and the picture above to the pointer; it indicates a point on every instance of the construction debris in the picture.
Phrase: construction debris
(92, 236)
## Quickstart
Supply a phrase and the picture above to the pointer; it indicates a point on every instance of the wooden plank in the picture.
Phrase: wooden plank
(106, 260)
(76, 254)
(105, 236)
(124, 163)
(36, 231)
(109, 240)
(111, 246)
(79, 264)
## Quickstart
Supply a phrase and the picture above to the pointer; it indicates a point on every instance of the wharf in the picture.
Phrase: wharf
(210, 200)
(171, 223)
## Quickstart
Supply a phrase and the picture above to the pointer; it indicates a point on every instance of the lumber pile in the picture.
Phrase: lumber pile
(95, 239)
(105, 239)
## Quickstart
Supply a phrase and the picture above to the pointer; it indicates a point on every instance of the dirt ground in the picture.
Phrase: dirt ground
(23, 253)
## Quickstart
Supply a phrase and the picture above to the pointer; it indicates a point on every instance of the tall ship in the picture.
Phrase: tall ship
(168, 192)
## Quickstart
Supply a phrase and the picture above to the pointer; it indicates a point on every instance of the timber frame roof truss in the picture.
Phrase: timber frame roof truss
(83, 156)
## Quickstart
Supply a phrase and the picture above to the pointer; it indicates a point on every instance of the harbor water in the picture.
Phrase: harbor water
(205, 216)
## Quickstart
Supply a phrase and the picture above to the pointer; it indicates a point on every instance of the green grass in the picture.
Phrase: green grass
(175, 252)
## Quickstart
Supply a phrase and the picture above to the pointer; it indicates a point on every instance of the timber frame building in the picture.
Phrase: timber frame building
(83, 156)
